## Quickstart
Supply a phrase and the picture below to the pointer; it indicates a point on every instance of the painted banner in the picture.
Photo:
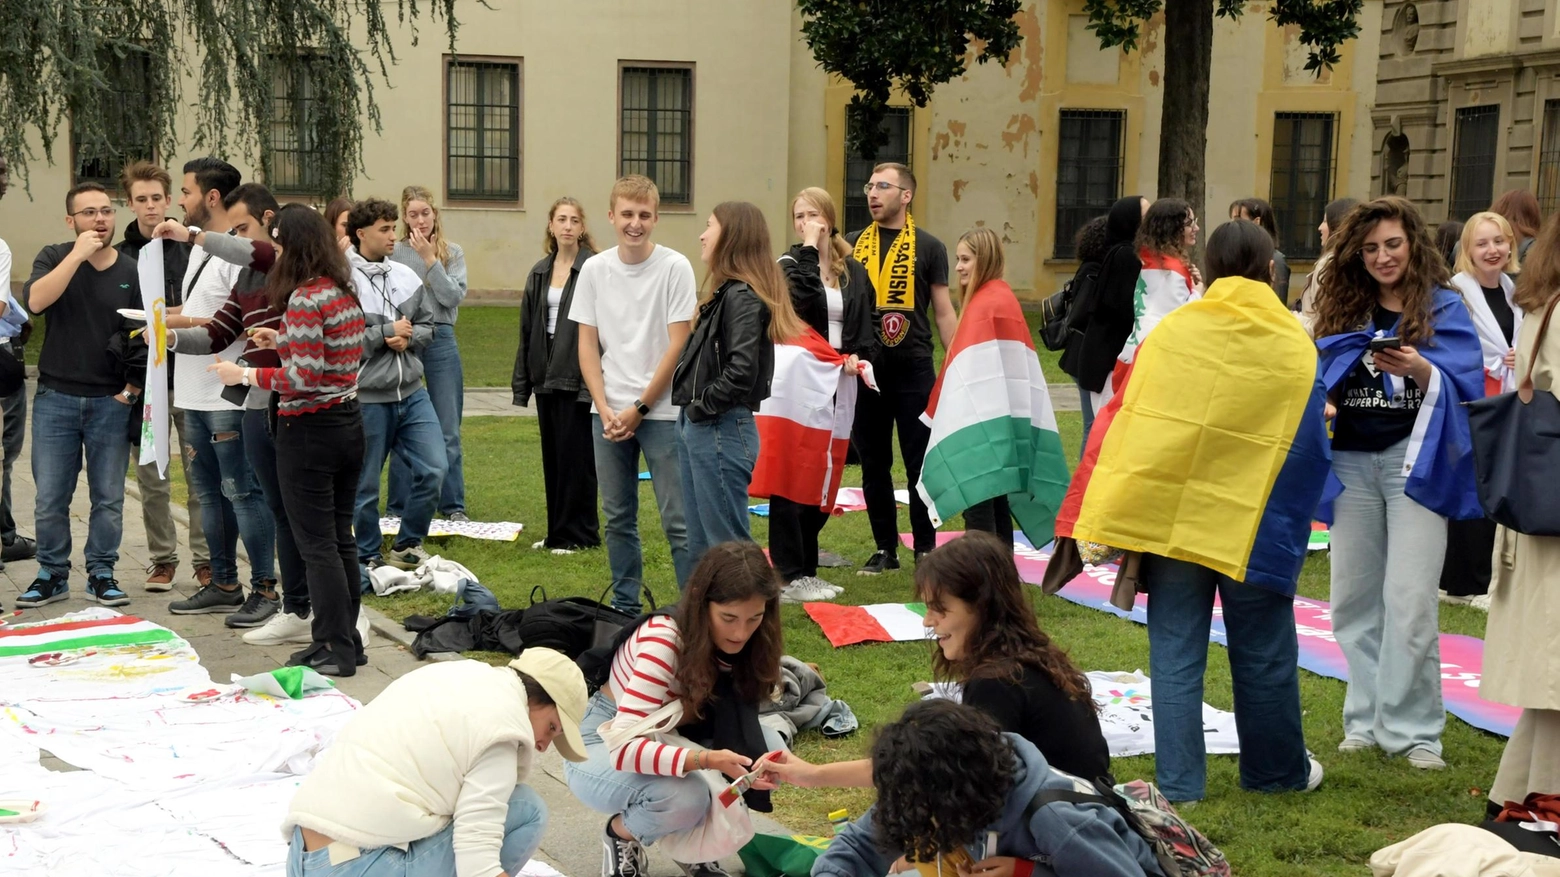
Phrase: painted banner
(154, 390)
(1462, 657)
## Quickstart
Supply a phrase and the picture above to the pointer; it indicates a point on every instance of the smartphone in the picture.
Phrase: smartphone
(1391, 342)
(238, 393)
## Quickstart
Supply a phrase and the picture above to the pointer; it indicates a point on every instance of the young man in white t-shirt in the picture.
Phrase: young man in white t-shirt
(633, 304)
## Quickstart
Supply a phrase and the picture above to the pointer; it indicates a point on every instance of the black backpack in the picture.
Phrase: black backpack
(571, 625)
(596, 662)
(1059, 320)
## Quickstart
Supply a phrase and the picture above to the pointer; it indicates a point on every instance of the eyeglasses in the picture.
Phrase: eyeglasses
(882, 186)
(92, 213)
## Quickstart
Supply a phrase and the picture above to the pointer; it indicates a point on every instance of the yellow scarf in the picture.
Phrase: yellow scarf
(893, 277)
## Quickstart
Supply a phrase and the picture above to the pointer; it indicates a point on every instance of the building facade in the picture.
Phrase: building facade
(1467, 103)
(719, 101)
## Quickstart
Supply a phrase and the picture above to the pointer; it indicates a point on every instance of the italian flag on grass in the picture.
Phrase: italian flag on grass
(92, 633)
(877, 623)
(993, 428)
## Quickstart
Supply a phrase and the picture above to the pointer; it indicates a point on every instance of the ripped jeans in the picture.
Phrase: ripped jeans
(231, 505)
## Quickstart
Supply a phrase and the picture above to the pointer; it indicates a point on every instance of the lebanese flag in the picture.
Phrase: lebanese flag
(993, 428)
(877, 623)
(1164, 284)
(65, 635)
(804, 425)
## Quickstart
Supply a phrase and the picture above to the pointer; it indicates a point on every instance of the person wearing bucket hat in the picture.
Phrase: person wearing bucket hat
(428, 778)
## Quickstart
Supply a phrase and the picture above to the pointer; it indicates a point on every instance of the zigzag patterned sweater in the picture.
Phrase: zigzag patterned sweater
(321, 348)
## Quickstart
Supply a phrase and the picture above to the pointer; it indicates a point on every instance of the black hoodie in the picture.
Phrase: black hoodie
(1106, 316)
(176, 258)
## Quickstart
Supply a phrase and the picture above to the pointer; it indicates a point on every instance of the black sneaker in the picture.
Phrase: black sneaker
(44, 590)
(880, 562)
(920, 555)
(105, 590)
(322, 660)
(209, 599)
(457, 518)
(20, 549)
(257, 610)
(704, 869)
(623, 858)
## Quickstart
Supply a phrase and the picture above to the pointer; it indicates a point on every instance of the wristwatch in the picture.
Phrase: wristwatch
(130, 398)
(641, 407)
(193, 230)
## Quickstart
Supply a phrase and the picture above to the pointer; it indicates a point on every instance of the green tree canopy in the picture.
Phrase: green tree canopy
(59, 59)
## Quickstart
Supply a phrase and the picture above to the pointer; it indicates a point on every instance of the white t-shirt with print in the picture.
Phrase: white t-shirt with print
(631, 307)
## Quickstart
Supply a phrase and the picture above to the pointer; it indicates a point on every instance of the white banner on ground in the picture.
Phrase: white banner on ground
(154, 410)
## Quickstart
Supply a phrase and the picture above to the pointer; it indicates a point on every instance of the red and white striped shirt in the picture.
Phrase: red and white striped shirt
(642, 682)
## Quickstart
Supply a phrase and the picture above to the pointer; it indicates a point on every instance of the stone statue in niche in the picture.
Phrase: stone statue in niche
(1405, 29)
(1394, 164)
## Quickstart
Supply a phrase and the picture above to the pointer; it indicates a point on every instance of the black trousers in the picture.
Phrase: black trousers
(568, 470)
(793, 537)
(318, 459)
(906, 388)
(991, 516)
(1469, 549)
(260, 448)
(14, 407)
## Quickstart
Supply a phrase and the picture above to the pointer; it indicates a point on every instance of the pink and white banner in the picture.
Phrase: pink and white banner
(1462, 657)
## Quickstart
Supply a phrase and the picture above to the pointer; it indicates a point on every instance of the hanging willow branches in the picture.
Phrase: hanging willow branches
(70, 60)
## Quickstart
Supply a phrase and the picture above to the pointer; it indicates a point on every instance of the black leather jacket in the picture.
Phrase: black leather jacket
(859, 334)
(538, 367)
(729, 359)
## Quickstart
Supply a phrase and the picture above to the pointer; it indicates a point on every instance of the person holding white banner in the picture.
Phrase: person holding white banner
(87, 402)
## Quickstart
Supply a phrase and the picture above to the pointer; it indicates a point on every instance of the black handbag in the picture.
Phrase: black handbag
(1516, 440)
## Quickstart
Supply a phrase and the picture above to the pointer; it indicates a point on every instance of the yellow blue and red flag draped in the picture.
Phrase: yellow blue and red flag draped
(1215, 450)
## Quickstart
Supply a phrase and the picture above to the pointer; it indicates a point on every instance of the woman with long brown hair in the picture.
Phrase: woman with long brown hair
(1399, 352)
(700, 670)
(319, 427)
(548, 364)
(832, 293)
(441, 265)
(1521, 667)
(990, 644)
(725, 370)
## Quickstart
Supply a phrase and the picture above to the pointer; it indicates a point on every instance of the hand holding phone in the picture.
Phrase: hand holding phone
(1390, 342)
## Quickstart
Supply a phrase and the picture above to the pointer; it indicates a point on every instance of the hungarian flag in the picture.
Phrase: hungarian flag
(66, 635)
(993, 428)
(804, 425)
(877, 623)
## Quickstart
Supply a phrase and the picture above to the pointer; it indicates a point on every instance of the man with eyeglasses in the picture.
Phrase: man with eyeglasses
(88, 395)
(14, 329)
(909, 270)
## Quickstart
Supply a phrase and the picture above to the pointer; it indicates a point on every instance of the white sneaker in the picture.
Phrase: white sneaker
(539, 544)
(1355, 744)
(562, 551)
(283, 627)
(1424, 759)
(362, 628)
(809, 589)
(1314, 779)
(1480, 602)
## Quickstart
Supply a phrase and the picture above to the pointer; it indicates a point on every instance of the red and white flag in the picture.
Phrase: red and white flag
(804, 425)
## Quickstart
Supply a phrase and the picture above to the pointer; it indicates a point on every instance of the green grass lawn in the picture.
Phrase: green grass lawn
(1366, 802)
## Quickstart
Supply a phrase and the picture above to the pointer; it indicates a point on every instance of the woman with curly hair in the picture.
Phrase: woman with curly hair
(701, 670)
(989, 643)
(949, 782)
(1399, 352)
(1167, 280)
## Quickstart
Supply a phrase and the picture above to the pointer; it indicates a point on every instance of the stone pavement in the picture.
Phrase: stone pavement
(572, 843)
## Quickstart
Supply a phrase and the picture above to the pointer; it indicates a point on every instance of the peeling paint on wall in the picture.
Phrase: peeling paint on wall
(1034, 184)
(1019, 128)
(1033, 49)
(958, 188)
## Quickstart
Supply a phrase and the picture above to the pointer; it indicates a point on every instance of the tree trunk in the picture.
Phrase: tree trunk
(1183, 134)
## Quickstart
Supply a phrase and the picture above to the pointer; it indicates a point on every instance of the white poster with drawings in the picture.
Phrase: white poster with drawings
(1126, 708)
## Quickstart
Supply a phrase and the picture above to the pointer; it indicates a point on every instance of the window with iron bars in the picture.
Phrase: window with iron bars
(1547, 184)
(657, 129)
(1305, 168)
(292, 158)
(1473, 160)
(482, 113)
(122, 105)
(1088, 171)
(858, 170)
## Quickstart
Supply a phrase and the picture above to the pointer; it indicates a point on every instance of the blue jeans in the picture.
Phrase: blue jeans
(717, 458)
(231, 505)
(652, 806)
(410, 430)
(617, 474)
(446, 382)
(434, 855)
(1086, 406)
(1387, 552)
(1260, 628)
(62, 427)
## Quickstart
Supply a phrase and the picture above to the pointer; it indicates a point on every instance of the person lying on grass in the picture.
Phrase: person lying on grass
(989, 642)
(957, 797)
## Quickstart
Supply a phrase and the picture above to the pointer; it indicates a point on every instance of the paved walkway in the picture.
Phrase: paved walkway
(572, 843)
